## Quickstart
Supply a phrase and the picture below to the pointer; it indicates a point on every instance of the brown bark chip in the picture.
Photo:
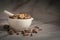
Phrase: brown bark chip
(17, 33)
(6, 27)
(34, 31)
(10, 32)
(27, 31)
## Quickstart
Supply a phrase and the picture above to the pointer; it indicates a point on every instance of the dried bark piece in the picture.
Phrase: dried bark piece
(38, 28)
(27, 16)
(22, 32)
(10, 32)
(14, 30)
(6, 26)
(27, 31)
(34, 31)
(21, 16)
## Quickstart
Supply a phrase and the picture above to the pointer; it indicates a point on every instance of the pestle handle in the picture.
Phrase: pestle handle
(8, 13)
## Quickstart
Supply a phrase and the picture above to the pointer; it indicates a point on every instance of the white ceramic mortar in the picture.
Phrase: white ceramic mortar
(20, 24)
